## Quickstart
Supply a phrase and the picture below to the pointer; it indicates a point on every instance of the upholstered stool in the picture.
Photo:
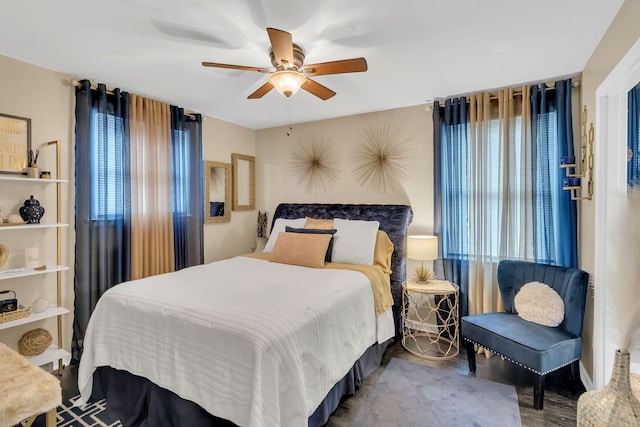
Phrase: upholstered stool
(26, 390)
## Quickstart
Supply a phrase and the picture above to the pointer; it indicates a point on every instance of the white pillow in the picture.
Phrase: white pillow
(280, 226)
(354, 241)
(539, 303)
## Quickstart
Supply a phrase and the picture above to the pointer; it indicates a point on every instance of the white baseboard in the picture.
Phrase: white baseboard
(586, 379)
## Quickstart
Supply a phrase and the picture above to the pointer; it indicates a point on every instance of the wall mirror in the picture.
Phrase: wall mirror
(217, 192)
(244, 182)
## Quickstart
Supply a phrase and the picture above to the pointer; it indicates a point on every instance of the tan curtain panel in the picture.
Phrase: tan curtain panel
(152, 249)
(500, 147)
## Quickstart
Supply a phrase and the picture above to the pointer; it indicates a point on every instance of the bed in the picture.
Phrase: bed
(265, 343)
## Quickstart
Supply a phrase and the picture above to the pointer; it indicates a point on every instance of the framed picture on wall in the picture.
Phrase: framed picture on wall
(15, 143)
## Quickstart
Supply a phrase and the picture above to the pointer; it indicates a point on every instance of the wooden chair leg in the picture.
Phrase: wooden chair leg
(29, 422)
(538, 392)
(471, 357)
(51, 418)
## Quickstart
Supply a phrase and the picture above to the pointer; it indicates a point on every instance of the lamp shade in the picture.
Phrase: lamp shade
(424, 248)
(287, 82)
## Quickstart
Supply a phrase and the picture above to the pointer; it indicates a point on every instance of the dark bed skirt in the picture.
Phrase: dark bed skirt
(136, 401)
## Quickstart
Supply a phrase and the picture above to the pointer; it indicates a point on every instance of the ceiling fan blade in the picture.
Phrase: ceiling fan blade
(282, 46)
(262, 91)
(236, 67)
(354, 65)
(317, 89)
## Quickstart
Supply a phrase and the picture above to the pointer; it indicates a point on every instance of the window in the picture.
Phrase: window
(108, 167)
(182, 169)
(472, 203)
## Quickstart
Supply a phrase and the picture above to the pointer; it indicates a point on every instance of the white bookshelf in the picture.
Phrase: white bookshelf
(24, 272)
(51, 355)
(52, 311)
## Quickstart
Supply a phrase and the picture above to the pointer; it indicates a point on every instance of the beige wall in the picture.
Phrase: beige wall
(223, 240)
(275, 182)
(621, 35)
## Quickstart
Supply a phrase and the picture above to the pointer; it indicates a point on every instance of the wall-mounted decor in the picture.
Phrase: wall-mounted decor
(15, 143)
(217, 192)
(573, 176)
(381, 158)
(244, 182)
(315, 164)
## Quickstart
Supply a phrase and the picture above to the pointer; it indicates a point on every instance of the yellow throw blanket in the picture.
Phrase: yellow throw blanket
(380, 281)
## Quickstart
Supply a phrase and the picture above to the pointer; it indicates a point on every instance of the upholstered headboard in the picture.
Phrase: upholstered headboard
(393, 219)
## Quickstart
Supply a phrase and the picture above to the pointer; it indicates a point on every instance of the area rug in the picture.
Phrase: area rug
(409, 394)
(93, 415)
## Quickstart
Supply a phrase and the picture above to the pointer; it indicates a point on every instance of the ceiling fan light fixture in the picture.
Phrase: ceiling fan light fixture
(287, 82)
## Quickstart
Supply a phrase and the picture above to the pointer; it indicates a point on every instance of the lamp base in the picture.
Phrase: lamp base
(423, 275)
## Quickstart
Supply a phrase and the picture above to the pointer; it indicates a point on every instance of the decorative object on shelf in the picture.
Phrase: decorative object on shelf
(4, 254)
(423, 248)
(31, 212)
(20, 313)
(8, 304)
(31, 257)
(615, 404)
(33, 171)
(34, 342)
(45, 175)
(573, 181)
(315, 164)
(381, 158)
(15, 219)
(15, 133)
(39, 305)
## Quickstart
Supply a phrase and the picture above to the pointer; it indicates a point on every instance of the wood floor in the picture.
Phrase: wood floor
(560, 398)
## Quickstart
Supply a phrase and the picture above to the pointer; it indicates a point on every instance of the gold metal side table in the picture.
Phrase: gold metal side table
(430, 319)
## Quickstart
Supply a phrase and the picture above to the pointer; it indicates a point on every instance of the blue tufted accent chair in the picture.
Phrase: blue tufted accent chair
(540, 349)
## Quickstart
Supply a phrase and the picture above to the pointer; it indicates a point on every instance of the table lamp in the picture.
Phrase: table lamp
(423, 248)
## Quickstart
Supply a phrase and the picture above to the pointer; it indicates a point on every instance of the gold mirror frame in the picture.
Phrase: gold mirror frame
(242, 184)
(209, 167)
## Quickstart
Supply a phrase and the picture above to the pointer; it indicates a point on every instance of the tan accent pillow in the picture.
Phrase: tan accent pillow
(307, 250)
(382, 251)
(539, 303)
(320, 224)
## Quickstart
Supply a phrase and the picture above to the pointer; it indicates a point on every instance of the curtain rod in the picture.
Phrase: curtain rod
(77, 83)
(575, 83)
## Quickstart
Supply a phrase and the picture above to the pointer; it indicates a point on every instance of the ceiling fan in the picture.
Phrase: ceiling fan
(290, 75)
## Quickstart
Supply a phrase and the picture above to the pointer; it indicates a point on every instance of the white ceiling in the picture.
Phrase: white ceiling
(417, 50)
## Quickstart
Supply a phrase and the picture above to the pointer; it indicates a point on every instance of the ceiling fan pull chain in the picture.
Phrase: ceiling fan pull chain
(290, 108)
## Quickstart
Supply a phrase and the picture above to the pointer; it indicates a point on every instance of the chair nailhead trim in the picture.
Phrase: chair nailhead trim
(518, 363)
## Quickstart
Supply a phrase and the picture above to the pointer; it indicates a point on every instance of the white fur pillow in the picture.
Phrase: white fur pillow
(539, 303)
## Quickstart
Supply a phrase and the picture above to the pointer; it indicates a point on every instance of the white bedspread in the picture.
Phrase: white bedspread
(251, 341)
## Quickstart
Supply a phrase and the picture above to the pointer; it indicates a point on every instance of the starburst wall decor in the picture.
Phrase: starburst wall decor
(315, 164)
(382, 158)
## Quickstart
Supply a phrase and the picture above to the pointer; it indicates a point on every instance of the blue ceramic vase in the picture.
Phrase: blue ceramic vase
(31, 212)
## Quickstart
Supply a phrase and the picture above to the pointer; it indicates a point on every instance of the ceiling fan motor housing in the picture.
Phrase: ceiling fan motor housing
(298, 59)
